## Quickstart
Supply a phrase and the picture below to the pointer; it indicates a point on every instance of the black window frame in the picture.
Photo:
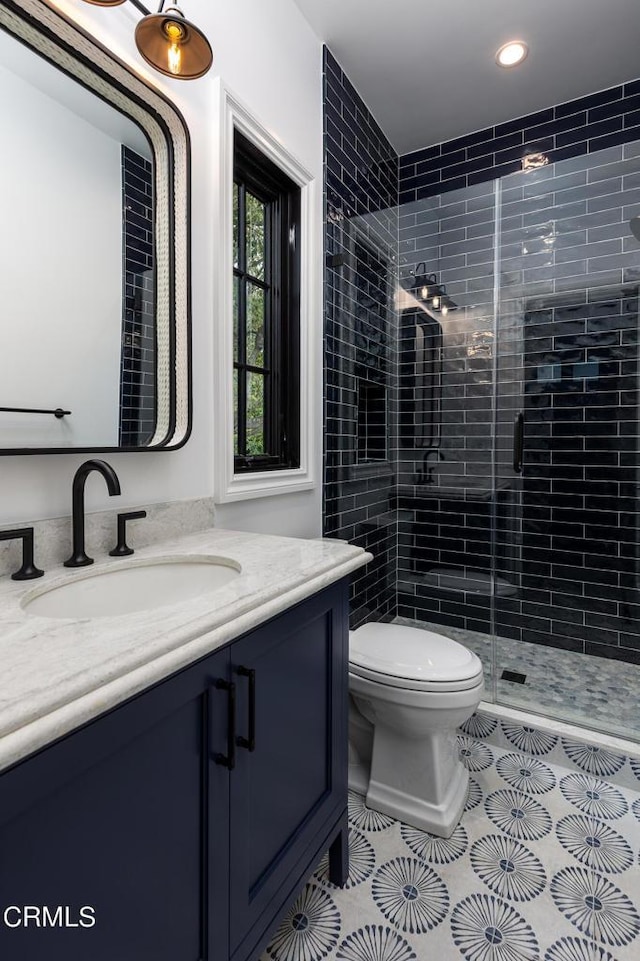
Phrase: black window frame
(257, 174)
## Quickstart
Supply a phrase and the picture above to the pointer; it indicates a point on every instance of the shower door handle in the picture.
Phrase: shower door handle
(518, 443)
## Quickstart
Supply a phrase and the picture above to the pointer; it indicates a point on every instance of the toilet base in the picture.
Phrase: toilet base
(360, 749)
(438, 818)
(358, 778)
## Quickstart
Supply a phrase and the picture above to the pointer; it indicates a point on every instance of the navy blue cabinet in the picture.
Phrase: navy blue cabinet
(289, 791)
(110, 818)
(184, 821)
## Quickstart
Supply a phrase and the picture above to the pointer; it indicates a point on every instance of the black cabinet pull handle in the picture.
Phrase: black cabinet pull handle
(518, 443)
(229, 759)
(249, 742)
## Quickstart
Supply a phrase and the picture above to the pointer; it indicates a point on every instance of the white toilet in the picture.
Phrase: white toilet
(410, 690)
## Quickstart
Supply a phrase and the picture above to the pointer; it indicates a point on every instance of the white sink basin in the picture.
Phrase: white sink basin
(133, 587)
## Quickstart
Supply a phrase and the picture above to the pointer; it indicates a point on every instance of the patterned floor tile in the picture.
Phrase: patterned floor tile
(544, 866)
(435, 850)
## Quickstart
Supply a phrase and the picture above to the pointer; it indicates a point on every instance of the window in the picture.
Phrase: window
(266, 313)
(267, 227)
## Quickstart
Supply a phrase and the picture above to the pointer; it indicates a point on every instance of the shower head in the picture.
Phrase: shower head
(634, 223)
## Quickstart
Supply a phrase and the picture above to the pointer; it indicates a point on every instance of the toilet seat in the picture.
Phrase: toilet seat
(408, 657)
(427, 687)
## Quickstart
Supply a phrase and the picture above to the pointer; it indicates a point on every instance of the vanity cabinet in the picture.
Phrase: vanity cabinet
(188, 818)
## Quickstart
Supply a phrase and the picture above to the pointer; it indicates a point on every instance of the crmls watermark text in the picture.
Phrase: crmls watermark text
(61, 916)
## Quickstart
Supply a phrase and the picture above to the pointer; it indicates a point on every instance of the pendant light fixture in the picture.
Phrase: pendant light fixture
(168, 41)
(430, 292)
(173, 45)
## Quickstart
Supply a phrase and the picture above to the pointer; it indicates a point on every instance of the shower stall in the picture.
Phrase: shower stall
(517, 458)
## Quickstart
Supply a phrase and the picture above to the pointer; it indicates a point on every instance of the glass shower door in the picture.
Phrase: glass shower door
(446, 402)
(566, 595)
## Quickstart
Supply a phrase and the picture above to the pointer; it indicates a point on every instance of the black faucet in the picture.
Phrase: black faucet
(425, 476)
(28, 570)
(79, 557)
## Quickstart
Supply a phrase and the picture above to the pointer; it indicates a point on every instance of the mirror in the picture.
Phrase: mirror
(94, 331)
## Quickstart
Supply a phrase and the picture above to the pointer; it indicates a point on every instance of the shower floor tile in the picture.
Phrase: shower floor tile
(595, 692)
(537, 870)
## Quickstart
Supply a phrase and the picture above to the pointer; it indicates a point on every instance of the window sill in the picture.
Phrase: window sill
(265, 484)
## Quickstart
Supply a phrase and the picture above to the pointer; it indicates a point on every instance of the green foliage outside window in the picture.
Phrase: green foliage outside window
(253, 246)
(266, 313)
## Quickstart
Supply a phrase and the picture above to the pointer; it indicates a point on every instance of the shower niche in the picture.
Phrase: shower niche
(372, 421)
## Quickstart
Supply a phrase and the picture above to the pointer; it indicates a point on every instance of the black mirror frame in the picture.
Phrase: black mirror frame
(65, 45)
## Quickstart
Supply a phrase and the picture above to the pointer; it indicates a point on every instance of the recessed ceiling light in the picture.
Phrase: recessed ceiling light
(512, 53)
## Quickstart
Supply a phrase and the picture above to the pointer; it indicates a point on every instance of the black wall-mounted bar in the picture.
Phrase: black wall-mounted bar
(58, 412)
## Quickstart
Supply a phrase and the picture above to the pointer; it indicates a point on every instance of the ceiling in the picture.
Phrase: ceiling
(426, 68)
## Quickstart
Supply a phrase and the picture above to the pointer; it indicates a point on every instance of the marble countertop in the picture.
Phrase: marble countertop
(59, 673)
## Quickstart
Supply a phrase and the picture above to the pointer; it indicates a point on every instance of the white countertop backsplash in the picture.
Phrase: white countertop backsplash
(53, 535)
(57, 674)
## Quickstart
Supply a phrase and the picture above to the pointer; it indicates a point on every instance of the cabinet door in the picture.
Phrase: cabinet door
(112, 818)
(288, 791)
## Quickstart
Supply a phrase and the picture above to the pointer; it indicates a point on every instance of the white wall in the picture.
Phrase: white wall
(62, 273)
(267, 54)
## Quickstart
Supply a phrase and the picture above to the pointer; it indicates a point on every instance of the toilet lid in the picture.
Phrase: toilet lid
(411, 653)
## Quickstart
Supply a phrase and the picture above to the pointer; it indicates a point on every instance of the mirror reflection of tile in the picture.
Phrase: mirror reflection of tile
(137, 366)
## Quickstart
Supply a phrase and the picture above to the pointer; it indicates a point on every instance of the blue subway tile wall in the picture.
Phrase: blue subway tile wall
(568, 328)
(138, 361)
(544, 275)
(361, 198)
(446, 452)
(604, 119)
(438, 504)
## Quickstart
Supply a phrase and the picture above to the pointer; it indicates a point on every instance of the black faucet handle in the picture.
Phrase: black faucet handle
(121, 549)
(28, 571)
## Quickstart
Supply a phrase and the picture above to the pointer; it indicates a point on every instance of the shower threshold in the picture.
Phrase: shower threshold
(596, 693)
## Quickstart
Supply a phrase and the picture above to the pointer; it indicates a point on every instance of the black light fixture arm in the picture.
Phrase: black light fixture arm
(141, 7)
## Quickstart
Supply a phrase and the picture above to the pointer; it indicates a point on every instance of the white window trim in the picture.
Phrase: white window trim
(232, 115)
